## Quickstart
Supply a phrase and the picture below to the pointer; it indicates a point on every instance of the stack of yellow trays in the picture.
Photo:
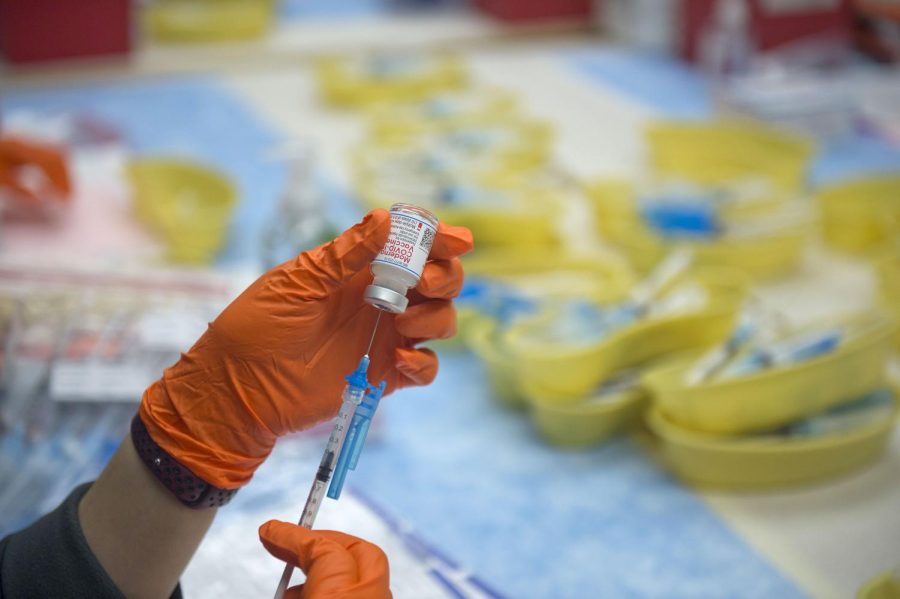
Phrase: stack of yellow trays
(764, 234)
(540, 274)
(591, 420)
(208, 20)
(543, 278)
(718, 433)
(440, 113)
(884, 586)
(861, 214)
(766, 462)
(459, 153)
(771, 252)
(766, 255)
(466, 154)
(718, 152)
(564, 383)
(362, 81)
(503, 202)
(889, 274)
(566, 374)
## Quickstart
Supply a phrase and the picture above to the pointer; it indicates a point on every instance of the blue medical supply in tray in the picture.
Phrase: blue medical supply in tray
(792, 351)
(847, 416)
(501, 302)
(682, 219)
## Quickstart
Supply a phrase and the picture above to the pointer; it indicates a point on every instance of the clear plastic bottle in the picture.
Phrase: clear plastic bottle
(399, 265)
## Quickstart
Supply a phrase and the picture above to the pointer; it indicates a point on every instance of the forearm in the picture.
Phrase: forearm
(140, 533)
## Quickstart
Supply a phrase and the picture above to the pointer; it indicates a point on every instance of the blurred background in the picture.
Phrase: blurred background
(676, 369)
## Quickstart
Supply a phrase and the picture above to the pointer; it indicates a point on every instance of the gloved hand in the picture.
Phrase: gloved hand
(337, 565)
(16, 154)
(275, 360)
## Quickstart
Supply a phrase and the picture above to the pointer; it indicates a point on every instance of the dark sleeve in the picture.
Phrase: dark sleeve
(51, 558)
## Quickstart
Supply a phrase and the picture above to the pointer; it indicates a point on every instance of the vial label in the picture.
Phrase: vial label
(408, 244)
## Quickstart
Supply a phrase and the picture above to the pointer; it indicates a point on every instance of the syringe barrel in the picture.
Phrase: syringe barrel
(353, 394)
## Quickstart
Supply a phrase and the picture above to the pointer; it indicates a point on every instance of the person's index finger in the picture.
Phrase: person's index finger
(451, 241)
(441, 279)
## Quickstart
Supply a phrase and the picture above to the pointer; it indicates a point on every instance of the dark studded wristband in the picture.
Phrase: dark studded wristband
(190, 489)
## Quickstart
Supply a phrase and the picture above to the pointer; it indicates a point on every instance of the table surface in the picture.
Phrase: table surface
(531, 520)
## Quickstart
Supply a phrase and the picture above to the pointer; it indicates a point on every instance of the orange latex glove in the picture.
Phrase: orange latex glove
(275, 360)
(17, 154)
(337, 565)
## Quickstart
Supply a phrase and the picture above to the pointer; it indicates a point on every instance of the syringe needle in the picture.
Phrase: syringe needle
(374, 330)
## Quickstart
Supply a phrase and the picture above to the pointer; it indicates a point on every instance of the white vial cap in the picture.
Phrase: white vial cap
(385, 299)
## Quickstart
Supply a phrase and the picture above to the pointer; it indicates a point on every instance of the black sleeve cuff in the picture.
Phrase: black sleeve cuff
(51, 558)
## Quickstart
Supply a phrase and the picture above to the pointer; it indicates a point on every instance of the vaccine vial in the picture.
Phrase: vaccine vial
(399, 265)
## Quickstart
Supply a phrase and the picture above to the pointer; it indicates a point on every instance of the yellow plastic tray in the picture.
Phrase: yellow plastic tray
(716, 152)
(889, 275)
(860, 214)
(188, 204)
(588, 422)
(529, 220)
(526, 146)
(440, 113)
(748, 463)
(566, 375)
(482, 338)
(596, 278)
(764, 256)
(884, 586)
(599, 281)
(525, 227)
(208, 20)
(344, 81)
(615, 206)
(777, 396)
(604, 276)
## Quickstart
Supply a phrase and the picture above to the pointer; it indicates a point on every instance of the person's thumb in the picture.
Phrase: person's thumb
(336, 564)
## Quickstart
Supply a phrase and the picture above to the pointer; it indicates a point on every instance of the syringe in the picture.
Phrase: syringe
(357, 385)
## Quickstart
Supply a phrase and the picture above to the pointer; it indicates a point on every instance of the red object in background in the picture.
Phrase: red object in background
(770, 28)
(529, 11)
(41, 30)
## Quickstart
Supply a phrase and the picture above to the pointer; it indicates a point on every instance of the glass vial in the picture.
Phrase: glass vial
(399, 265)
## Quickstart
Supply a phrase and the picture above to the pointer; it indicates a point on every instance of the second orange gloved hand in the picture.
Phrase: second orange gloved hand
(17, 154)
(336, 565)
(274, 361)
